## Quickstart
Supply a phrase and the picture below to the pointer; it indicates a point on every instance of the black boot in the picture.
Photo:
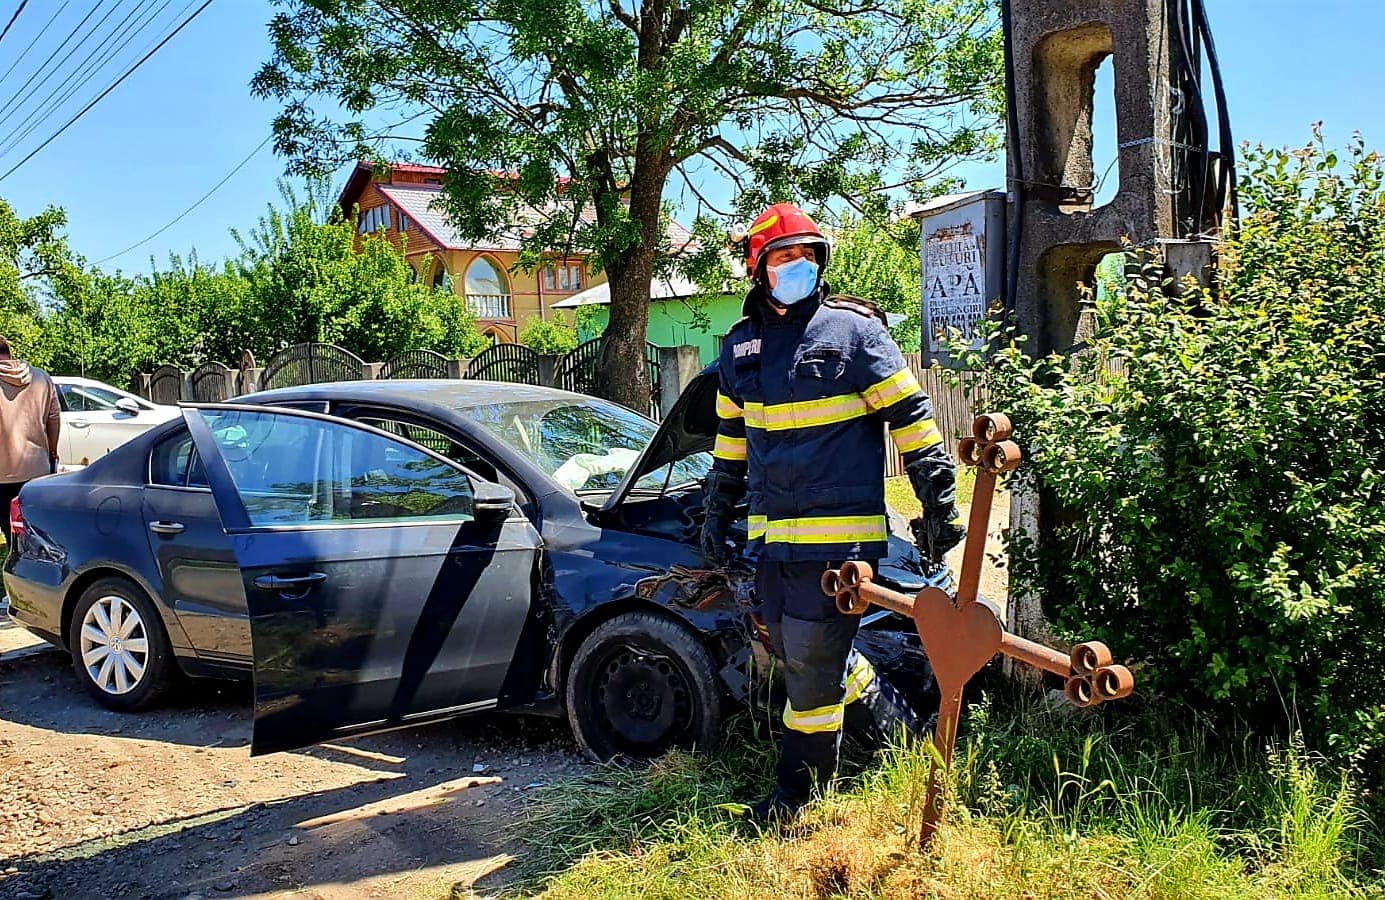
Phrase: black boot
(776, 809)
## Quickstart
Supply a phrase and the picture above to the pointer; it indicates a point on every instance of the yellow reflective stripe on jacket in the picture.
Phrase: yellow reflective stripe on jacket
(860, 678)
(814, 721)
(893, 389)
(805, 413)
(819, 529)
(731, 448)
(916, 435)
(727, 408)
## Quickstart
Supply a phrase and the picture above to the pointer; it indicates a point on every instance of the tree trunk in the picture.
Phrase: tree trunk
(622, 374)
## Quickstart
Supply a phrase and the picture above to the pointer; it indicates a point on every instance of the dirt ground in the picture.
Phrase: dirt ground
(169, 804)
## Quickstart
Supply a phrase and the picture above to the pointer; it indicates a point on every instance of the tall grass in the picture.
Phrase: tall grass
(1046, 804)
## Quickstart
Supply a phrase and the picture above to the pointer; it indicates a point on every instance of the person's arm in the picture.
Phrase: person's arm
(725, 484)
(53, 424)
(891, 390)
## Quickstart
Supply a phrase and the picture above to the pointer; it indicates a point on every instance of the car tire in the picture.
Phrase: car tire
(120, 651)
(640, 685)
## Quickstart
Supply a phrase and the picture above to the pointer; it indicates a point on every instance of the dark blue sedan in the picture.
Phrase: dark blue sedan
(393, 552)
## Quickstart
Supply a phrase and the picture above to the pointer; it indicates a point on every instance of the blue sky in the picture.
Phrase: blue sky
(182, 122)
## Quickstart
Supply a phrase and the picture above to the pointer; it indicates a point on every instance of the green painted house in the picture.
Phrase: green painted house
(671, 315)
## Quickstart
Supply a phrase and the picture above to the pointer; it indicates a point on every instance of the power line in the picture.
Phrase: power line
(121, 36)
(34, 43)
(101, 96)
(36, 83)
(240, 165)
(71, 34)
(10, 23)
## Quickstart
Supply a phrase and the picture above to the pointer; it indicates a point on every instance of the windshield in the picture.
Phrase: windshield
(586, 445)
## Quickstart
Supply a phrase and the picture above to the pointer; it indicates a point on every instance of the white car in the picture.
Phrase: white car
(97, 418)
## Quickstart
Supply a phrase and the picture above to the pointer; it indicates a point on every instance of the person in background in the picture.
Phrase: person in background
(29, 424)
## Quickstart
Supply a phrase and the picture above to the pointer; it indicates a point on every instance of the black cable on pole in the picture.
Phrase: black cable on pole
(10, 23)
(1225, 143)
(240, 165)
(101, 96)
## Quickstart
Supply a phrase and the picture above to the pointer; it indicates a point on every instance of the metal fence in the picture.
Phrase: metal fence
(213, 382)
(576, 370)
(311, 364)
(506, 362)
(415, 364)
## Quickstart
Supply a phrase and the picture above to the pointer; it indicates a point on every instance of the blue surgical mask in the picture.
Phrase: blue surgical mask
(794, 281)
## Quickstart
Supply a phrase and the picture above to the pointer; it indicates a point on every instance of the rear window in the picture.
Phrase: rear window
(174, 462)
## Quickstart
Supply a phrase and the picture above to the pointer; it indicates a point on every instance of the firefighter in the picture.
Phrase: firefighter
(806, 380)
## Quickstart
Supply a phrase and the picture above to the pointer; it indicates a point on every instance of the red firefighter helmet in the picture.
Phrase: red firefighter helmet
(782, 225)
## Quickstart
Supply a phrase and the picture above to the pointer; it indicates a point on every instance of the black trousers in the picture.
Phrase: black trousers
(830, 685)
(8, 491)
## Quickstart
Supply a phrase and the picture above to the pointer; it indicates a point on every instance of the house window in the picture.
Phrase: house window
(574, 274)
(376, 218)
(482, 277)
(403, 222)
(562, 279)
(487, 291)
(550, 278)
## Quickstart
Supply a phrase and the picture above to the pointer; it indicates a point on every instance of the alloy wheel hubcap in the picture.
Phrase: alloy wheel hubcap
(114, 645)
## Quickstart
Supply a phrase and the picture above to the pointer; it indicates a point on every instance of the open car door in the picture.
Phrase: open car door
(385, 584)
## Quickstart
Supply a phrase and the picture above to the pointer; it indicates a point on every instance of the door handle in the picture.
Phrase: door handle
(166, 527)
(296, 583)
(79, 423)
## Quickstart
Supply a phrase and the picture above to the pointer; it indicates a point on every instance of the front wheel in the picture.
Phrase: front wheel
(119, 650)
(641, 685)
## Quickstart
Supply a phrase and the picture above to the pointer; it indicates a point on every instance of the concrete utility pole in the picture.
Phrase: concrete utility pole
(1173, 190)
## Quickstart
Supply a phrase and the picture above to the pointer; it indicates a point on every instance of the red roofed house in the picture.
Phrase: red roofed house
(406, 202)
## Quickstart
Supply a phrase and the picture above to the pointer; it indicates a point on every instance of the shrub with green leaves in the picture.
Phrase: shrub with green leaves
(554, 336)
(1219, 461)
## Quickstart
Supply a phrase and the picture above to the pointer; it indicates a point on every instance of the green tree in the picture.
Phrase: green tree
(37, 270)
(307, 281)
(881, 264)
(553, 337)
(569, 107)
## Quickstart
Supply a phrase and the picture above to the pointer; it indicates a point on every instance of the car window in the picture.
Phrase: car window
(585, 445)
(168, 462)
(85, 398)
(434, 440)
(290, 470)
(174, 462)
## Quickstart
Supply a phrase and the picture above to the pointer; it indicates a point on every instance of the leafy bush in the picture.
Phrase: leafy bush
(554, 336)
(1218, 461)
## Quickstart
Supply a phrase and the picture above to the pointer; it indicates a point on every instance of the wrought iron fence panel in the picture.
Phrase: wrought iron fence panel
(506, 362)
(213, 382)
(416, 364)
(166, 385)
(311, 364)
(576, 371)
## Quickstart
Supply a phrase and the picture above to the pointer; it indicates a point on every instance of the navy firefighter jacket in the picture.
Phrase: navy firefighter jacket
(803, 404)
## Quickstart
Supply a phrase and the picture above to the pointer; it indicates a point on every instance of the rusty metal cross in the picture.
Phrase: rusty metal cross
(961, 634)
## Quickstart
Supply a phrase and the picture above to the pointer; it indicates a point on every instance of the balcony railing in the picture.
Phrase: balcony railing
(489, 306)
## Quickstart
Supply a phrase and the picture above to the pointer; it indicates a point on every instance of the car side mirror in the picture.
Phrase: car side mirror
(126, 405)
(492, 502)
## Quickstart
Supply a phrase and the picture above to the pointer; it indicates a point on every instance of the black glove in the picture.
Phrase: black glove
(723, 493)
(937, 531)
